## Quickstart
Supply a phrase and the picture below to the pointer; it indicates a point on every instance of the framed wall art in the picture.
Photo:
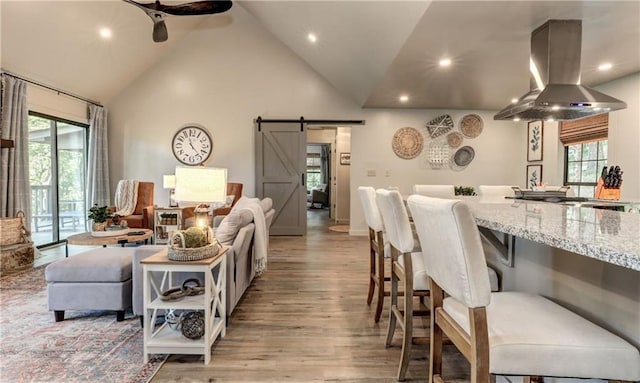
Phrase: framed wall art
(534, 140)
(534, 176)
(345, 158)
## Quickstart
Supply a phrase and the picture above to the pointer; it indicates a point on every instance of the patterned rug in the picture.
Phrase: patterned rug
(86, 347)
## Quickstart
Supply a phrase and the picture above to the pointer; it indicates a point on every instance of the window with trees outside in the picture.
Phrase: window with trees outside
(313, 170)
(57, 176)
(583, 165)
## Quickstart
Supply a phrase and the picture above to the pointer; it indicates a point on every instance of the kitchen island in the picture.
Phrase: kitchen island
(586, 259)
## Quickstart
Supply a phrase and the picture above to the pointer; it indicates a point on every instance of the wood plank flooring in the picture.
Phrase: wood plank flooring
(306, 320)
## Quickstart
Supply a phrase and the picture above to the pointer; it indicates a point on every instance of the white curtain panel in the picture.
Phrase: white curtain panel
(98, 159)
(14, 178)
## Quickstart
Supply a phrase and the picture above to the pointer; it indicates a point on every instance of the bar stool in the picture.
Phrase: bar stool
(377, 248)
(437, 191)
(495, 191)
(407, 267)
(507, 333)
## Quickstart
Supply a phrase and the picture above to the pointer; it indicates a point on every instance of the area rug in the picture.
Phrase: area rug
(339, 228)
(86, 347)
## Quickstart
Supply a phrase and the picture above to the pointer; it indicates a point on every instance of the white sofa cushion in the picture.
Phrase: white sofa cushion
(232, 222)
(530, 335)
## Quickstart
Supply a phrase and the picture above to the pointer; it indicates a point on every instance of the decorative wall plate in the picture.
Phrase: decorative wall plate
(407, 143)
(464, 156)
(439, 125)
(438, 156)
(454, 139)
(471, 125)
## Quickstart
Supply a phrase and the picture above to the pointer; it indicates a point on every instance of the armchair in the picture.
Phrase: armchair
(234, 189)
(142, 216)
(318, 195)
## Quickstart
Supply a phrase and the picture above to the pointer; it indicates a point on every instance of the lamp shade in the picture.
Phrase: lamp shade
(201, 184)
(168, 181)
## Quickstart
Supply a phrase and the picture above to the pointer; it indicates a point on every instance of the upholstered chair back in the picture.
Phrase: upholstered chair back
(495, 191)
(369, 206)
(145, 196)
(396, 220)
(436, 191)
(455, 258)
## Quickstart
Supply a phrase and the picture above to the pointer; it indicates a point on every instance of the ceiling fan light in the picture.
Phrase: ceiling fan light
(160, 33)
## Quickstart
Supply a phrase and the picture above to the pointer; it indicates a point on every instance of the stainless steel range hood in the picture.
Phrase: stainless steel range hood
(554, 66)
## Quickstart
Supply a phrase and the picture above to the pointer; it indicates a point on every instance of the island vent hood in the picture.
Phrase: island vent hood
(556, 93)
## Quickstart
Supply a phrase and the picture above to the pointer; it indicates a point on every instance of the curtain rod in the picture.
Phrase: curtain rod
(4, 72)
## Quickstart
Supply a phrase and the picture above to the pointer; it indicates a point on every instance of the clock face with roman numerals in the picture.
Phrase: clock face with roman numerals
(192, 145)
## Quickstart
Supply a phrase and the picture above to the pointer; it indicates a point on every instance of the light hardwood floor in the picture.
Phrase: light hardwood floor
(306, 320)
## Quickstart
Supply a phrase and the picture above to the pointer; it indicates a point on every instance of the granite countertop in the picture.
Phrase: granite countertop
(607, 235)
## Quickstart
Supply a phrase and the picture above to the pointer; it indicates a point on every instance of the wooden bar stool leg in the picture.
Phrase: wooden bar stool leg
(379, 256)
(372, 268)
(407, 318)
(435, 349)
(394, 299)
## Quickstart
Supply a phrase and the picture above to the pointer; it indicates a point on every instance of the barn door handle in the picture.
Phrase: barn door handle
(302, 179)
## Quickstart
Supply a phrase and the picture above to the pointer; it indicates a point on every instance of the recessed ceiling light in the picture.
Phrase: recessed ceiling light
(555, 107)
(605, 66)
(445, 62)
(514, 100)
(516, 119)
(105, 33)
(312, 37)
(550, 119)
(404, 98)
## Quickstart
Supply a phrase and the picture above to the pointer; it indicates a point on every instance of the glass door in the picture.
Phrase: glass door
(57, 158)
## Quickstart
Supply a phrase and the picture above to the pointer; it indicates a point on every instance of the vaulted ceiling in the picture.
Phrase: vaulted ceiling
(371, 51)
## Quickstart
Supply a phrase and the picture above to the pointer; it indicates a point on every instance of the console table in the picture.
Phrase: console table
(158, 277)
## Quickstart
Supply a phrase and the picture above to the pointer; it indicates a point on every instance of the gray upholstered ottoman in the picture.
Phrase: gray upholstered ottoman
(98, 279)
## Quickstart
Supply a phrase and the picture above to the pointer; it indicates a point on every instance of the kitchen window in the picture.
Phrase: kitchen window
(583, 165)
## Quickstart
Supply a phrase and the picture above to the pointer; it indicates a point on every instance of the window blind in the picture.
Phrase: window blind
(584, 130)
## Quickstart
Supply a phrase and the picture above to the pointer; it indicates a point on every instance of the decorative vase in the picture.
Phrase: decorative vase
(99, 226)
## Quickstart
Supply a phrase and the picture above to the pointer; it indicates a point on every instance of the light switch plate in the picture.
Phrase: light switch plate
(371, 173)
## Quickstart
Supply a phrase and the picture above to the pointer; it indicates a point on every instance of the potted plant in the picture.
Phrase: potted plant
(99, 216)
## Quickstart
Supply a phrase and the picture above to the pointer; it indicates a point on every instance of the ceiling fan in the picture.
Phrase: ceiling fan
(157, 12)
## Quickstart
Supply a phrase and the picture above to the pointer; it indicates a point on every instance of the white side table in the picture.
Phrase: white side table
(161, 339)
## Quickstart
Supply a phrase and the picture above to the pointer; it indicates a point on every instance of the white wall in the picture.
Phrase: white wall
(222, 77)
(624, 133)
(343, 186)
(500, 155)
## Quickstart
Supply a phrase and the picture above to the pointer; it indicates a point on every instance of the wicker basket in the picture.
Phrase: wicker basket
(186, 254)
(12, 230)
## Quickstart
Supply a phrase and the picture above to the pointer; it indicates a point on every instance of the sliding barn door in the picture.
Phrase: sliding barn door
(281, 150)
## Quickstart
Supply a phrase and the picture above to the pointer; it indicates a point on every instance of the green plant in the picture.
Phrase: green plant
(99, 214)
(464, 190)
(194, 237)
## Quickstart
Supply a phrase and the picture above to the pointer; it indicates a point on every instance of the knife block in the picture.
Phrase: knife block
(606, 193)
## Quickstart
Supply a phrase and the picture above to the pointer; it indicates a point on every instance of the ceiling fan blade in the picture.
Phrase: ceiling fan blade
(160, 33)
(205, 7)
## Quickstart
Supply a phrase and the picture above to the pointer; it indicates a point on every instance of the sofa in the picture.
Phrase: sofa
(318, 195)
(235, 230)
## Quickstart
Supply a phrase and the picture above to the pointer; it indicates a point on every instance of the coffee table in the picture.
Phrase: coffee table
(86, 239)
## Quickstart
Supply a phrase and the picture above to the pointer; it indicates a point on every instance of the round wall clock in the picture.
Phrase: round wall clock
(192, 145)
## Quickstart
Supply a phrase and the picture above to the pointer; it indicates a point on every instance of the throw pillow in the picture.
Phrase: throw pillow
(228, 229)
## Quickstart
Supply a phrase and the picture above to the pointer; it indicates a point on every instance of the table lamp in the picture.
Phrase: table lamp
(201, 185)
(169, 182)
